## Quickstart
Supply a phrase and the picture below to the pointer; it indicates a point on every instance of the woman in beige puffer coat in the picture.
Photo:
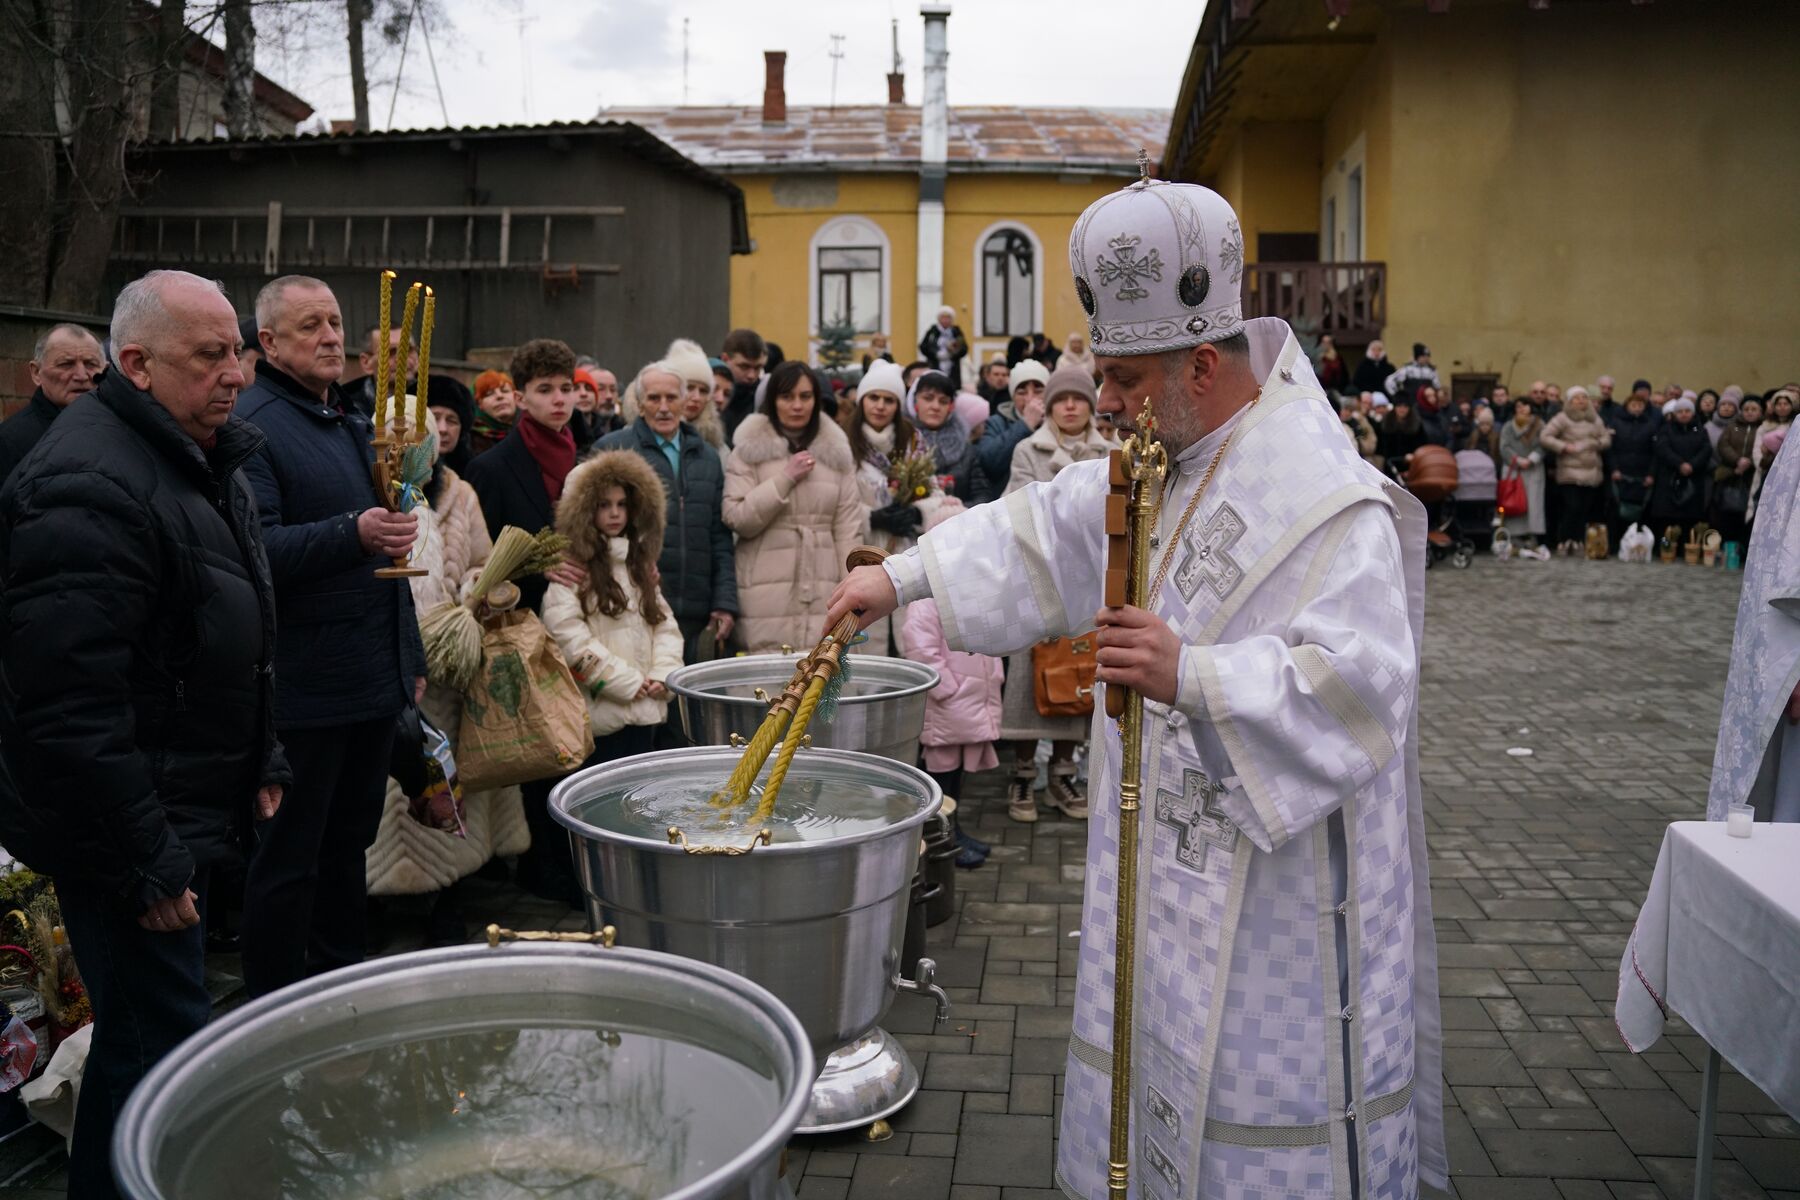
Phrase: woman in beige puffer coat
(1579, 439)
(791, 496)
(408, 858)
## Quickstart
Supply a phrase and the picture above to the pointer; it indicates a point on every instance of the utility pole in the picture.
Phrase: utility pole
(684, 60)
(896, 24)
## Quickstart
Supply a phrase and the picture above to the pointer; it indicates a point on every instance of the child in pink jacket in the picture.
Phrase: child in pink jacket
(962, 714)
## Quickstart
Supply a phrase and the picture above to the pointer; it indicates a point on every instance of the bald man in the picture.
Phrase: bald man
(65, 364)
(137, 645)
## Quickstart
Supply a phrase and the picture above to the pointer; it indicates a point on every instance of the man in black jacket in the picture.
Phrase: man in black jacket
(349, 657)
(698, 564)
(138, 636)
(747, 355)
(64, 364)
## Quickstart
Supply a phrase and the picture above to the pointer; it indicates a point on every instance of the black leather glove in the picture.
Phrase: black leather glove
(901, 520)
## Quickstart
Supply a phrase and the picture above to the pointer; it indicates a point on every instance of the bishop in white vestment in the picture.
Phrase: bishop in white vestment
(1287, 1033)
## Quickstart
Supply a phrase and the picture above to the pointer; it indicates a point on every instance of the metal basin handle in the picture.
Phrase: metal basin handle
(678, 838)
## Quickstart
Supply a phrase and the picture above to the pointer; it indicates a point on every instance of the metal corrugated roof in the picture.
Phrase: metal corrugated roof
(982, 137)
(634, 137)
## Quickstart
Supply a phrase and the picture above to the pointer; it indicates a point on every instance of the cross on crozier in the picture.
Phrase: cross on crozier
(1208, 559)
(1197, 819)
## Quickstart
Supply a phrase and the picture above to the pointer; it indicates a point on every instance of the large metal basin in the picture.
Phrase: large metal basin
(306, 1095)
(881, 711)
(818, 923)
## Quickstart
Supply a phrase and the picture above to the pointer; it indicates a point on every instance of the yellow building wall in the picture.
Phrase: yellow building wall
(1270, 177)
(1365, 111)
(1596, 189)
(770, 285)
(1046, 205)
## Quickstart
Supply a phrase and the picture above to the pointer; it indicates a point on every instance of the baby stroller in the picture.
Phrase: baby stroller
(1433, 477)
(1473, 503)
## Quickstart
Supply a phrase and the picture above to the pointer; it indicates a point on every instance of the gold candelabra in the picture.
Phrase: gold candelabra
(1132, 505)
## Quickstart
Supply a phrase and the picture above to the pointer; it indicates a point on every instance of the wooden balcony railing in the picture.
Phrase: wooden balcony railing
(1348, 300)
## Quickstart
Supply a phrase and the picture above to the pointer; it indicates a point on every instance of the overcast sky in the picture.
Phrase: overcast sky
(507, 61)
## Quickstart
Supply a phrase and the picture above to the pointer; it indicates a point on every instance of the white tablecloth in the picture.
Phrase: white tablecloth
(1718, 942)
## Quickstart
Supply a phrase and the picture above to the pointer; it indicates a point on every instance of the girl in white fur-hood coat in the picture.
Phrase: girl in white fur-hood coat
(616, 631)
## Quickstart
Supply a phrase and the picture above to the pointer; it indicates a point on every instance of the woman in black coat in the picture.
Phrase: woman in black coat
(1683, 455)
(1401, 433)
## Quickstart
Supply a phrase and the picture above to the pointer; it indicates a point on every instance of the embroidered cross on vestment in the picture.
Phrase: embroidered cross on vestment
(1208, 559)
(1197, 819)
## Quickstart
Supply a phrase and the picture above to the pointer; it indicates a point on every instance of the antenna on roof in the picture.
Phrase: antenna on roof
(684, 60)
(837, 54)
(896, 24)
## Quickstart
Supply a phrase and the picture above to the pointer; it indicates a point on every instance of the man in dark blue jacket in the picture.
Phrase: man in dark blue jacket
(698, 563)
(348, 658)
(138, 631)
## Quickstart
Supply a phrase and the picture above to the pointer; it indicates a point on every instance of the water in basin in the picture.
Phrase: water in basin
(494, 1113)
(809, 808)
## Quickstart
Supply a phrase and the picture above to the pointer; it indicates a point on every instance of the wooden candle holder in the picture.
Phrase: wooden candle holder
(389, 452)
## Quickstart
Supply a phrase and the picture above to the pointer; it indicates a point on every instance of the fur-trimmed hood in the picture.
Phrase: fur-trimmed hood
(758, 440)
(581, 498)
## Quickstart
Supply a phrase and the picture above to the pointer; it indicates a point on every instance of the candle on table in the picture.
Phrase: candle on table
(425, 355)
(386, 327)
(1738, 820)
(405, 352)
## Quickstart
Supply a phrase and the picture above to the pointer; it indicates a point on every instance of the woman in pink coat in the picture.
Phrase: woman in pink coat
(962, 714)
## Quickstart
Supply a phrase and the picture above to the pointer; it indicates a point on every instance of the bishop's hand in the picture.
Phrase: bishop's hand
(866, 591)
(1138, 650)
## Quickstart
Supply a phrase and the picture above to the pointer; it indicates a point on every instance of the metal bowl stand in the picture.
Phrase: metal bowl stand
(871, 1078)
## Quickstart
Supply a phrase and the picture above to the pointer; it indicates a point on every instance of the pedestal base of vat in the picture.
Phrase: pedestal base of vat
(862, 1082)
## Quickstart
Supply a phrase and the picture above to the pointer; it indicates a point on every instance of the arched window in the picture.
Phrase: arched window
(1009, 283)
(849, 275)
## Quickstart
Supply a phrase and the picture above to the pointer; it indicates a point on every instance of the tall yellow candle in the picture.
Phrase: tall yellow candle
(405, 351)
(425, 355)
(381, 359)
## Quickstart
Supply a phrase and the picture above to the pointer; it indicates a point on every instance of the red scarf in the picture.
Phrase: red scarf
(553, 451)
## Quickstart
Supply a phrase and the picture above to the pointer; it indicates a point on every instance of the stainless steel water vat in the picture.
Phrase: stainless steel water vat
(880, 712)
(819, 923)
(185, 1134)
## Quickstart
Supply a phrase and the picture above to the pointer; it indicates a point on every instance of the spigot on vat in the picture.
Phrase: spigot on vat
(922, 983)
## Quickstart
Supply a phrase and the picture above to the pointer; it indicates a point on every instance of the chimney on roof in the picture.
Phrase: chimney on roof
(934, 139)
(896, 78)
(774, 87)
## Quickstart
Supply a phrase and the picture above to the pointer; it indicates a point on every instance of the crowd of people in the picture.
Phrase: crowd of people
(188, 525)
(1668, 458)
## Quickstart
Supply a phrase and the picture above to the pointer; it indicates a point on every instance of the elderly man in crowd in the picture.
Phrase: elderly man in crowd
(349, 658)
(138, 707)
(65, 363)
(699, 572)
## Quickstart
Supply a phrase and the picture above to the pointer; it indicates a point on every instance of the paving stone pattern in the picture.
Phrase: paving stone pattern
(1611, 674)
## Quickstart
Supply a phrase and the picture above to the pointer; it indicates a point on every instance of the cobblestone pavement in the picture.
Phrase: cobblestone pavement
(1611, 674)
